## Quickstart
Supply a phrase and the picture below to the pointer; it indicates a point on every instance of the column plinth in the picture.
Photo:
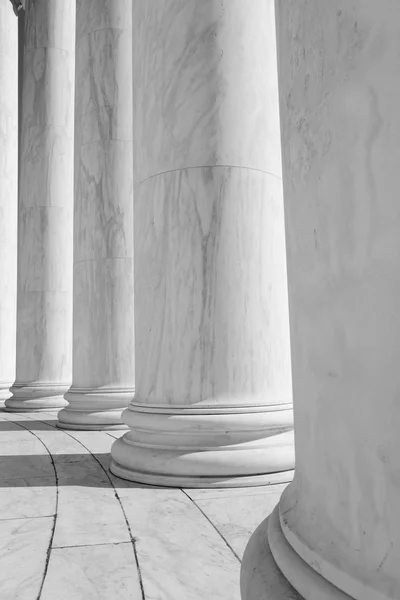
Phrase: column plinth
(44, 298)
(336, 532)
(103, 370)
(212, 403)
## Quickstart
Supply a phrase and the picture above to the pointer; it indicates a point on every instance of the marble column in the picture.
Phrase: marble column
(8, 194)
(44, 306)
(336, 531)
(103, 324)
(213, 380)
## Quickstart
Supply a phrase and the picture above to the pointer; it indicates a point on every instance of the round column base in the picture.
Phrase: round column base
(4, 393)
(94, 409)
(260, 576)
(36, 397)
(205, 446)
(310, 584)
(198, 482)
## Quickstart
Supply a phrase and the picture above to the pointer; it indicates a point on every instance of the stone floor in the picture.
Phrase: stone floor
(71, 530)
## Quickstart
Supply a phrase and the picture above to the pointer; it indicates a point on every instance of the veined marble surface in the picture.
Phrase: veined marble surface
(206, 85)
(211, 308)
(107, 538)
(8, 194)
(44, 312)
(103, 329)
(339, 65)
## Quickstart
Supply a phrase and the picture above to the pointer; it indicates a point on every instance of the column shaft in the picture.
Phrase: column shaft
(44, 307)
(336, 532)
(103, 325)
(8, 194)
(213, 384)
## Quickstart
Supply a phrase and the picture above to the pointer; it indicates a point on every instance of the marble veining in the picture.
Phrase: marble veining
(103, 327)
(8, 195)
(206, 91)
(44, 311)
(204, 313)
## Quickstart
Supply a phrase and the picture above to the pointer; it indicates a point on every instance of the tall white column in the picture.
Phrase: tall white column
(44, 307)
(8, 194)
(213, 383)
(336, 532)
(103, 329)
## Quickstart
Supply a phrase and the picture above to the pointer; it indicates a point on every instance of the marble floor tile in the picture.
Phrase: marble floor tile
(206, 494)
(237, 520)
(26, 466)
(23, 548)
(27, 498)
(181, 555)
(106, 572)
(89, 515)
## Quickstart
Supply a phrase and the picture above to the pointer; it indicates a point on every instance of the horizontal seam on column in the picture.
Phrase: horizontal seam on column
(78, 40)
(208, 167)
(103, 258)
(104, 141)
(32, 48)
(47, 126)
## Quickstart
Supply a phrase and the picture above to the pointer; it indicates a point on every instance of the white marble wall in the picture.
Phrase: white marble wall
(340, 92)
(103, 327)
(212, 335)
(44, 314)
(8, 194)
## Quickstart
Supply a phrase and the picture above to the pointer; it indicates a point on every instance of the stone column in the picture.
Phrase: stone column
(103, 329)
(213, 381)
(336, 532)
(8, 194)
(44, 307)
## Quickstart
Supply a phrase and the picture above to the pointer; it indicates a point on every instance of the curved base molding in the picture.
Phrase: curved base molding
(37, 397)
(94, 409)
(205, 446)
(4, 392)
(260, 576)
(302, 577)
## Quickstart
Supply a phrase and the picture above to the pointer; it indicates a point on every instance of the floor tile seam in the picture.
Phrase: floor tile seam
(212, 525)
(91, 545)
(49, 548)
(132, 539)
(27, 518)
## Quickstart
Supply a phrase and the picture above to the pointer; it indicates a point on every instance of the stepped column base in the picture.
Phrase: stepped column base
(36, 397)
(94, 409)
(205, 446)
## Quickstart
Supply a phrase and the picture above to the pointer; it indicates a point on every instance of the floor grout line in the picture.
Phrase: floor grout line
(46, 566)
(133, 540)
(212, 524)
(91, 545)
(25, 518)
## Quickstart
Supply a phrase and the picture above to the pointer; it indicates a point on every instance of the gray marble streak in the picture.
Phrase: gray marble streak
(8, 194)
(44, 313)
(103, 329)
(204, 95)
(210, 279)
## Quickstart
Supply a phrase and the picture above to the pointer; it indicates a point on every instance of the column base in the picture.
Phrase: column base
(4, 393)
(94, 409)
(205, 446)
(260, 576)
(41, 396)
(310, 584)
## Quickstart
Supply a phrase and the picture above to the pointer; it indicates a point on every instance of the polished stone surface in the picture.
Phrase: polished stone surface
(8, 194)
(44, 310)
(103, 329)
(337, 534)
(104, 537)
(213, 397)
